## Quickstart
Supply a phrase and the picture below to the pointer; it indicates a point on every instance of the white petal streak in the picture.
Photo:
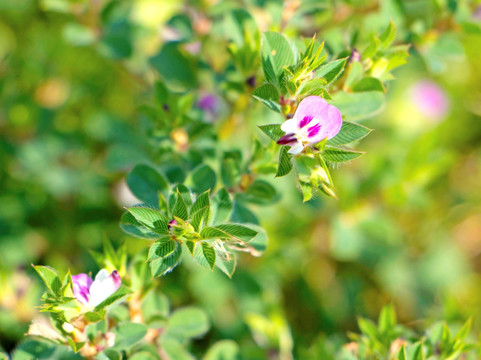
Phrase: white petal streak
(296, 149)
(290, 126)
(104, 285)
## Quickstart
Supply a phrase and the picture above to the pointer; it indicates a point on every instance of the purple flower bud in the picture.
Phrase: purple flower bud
(477, 13)
(172, 222)
(314, 121)
(355, 56)
(251, 81)
(430, 99)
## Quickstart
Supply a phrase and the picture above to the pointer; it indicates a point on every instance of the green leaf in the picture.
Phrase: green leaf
(128, 334)
(355, 73)
(209, 254)
(259, 242)
(95, 316)
(372, 48)
(151, 218)
(242, 214)
(331, 71)
(180, 208)
(230, 172)
(313, 87)
(143, 355)
(464, 331)
(50, 278)
(387, 319)
(121, 292)
(187, 323)
(334, 154)
(75, 346)
(306, 190)
(349, 133)
(161, 93)
(259, 192)
(285, 164)
(276, 53)
(223, 350)
(359, 106)
(368, 328)
(146, 183)
(227, 231)
(131, 226)
(175, 350)
(201, 202)
(109, 354)
(402, 353)
(161, 249)
(203, 179)
(222, 206)
(368, 84)
(415, 352)
(155, 305)
(226, 262)
(273, 131)
(190, 246)
(387, 36)
(198, 256)
(164, 265)
(201, 218)
(185, 193)
(268, 95)
(314, 174)
(175, 67)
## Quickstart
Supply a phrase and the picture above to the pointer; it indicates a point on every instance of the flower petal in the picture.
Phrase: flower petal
(328, 116)
(290, 126)
(332, 125)
(81, 285)
(296, 149)
(311, 106)
(105, 284)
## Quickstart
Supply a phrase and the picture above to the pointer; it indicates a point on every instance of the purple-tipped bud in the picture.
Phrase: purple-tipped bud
(355, 56)
(209, 103)
(116, 278)
(172, 222)
(477, 13)
(251, 81)
(287, 139)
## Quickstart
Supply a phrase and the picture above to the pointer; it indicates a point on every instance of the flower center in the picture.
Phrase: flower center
(303, 135)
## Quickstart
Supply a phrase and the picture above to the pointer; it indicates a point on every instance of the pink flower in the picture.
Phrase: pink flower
(314, 121)
(430, 99)
(477, 13)
(92, 292)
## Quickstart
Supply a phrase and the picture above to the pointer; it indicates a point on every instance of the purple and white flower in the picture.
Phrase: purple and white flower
(92, 292)
(314, 121)
(210, 105)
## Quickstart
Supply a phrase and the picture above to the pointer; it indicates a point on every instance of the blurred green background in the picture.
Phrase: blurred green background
(406, 228)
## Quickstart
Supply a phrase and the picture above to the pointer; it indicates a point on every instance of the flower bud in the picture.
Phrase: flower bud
(67, 327)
